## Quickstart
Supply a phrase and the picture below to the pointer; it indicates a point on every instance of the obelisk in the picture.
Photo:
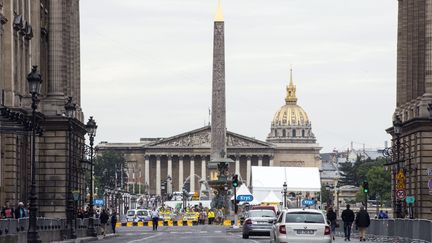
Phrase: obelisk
(218, 120)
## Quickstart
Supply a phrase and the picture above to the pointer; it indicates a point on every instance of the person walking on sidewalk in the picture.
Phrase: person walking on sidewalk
(331, 216)
(155, 218)
(362, 222)
(113, 220)
(348, 219)
(104, 220)
(210, 216)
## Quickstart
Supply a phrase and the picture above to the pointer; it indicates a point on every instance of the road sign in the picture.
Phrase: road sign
(308, 202)
(430, 184)
(98, 202)
(401, 194)
(410, 199)
(245, 198)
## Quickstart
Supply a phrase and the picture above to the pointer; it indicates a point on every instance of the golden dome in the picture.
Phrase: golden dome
(291, 114)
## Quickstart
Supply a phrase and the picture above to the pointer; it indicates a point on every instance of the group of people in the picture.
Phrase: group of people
(10, 212)
(106, 218)
(360, 220)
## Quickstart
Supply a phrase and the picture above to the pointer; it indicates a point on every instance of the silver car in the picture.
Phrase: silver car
(301, 225)
(258, 222)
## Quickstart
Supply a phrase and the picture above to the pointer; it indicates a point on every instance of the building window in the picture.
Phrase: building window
(284, 133)
(294, 133)
(303, 133)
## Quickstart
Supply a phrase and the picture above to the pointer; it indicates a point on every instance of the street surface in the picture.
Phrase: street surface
(198, 234)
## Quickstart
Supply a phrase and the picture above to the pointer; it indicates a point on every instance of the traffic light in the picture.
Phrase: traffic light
(365, 187)
(235, 182)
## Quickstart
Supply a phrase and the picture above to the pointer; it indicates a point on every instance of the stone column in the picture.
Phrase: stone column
(260, 157)
(428, 52)
(271, 161)
(158, 175)
(248, 171)
(237, 165)
(192, 174)
(180, 173)
(170, 174)
(57, 77)
(203, 168)
(147, 172)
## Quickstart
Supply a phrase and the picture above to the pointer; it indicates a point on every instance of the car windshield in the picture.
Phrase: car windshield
(142, 213)
(261, 213)
(304, 217)
(130, 213)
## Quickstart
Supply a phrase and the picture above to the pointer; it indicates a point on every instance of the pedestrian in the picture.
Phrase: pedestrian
(7, 211)
(219, 216)
(103, 220)
(20, 211)
(210, 216)
(331, 216)
(155, 218)
(113, 220)
(362, 222)
(381, 215)
(348, 219)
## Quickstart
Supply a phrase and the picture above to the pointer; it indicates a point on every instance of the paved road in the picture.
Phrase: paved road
(198, 234)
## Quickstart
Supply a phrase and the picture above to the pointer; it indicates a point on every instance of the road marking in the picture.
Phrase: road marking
(145, 238)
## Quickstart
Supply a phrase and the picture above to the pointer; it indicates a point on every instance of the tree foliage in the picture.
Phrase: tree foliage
(109, 171)
(372, 171)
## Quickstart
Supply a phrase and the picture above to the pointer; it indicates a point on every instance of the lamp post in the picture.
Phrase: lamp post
(91, 130)
(70, 109)
(34, 80)
(397, 129)
(285, 191)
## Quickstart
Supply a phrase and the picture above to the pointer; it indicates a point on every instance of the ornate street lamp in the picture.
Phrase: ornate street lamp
(34, 80)
(285, 191)
(91, 130)
(70, 109)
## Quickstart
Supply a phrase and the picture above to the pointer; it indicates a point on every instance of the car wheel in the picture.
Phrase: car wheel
(245, 236)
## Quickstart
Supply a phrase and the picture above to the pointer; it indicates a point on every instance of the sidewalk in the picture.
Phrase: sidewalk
(87, 239)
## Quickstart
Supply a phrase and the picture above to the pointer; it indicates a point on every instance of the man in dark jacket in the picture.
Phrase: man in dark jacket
(113, 220)
(103, 220)
(362, 222)
(348, 219)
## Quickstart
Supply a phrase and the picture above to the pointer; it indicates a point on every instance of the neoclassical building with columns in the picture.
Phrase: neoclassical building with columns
(290, 143)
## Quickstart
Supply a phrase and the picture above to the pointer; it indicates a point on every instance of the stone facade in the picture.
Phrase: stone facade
(43, 33)
(414, 97)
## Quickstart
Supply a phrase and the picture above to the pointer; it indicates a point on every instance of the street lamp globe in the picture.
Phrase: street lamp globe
(397, 126)
(35, 81)
(70, 108)
(91, 127)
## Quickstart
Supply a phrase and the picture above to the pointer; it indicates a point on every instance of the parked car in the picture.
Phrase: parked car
(143, 215)
(300, 225)
(267, 207)
(131, 215)
(258, 222)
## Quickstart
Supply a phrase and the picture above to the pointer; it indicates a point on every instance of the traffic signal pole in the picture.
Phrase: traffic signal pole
(235, 185)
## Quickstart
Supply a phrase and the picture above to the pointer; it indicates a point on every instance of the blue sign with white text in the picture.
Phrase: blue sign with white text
(308, 202)
(245, 198)
(98, 202)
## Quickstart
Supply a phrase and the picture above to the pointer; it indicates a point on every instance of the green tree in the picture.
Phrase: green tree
(108, 167)
(379, 183)
(348, 174)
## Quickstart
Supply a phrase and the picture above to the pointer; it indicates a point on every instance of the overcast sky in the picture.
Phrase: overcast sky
(147, 66)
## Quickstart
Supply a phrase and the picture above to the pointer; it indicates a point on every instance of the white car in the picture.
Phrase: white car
(301, 225)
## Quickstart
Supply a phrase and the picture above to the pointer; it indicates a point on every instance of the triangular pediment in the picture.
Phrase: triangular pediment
(201, 138)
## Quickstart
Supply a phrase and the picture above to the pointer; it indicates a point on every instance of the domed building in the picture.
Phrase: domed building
(291, 133)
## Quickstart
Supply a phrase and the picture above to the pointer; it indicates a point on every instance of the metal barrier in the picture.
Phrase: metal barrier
(410, 230)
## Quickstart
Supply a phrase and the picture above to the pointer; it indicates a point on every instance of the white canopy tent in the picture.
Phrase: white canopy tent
(271, 198)
(243, 190)
(298, 179)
